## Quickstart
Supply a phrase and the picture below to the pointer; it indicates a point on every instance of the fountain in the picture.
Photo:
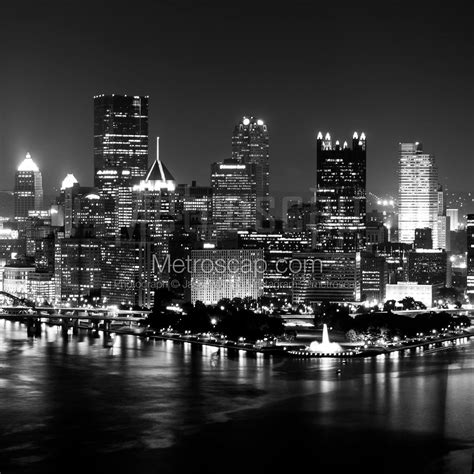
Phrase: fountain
(325, 347)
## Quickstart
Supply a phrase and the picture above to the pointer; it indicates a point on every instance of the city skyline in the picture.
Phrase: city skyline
(199, 89)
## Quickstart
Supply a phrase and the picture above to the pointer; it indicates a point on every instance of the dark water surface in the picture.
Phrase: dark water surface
(69, 405)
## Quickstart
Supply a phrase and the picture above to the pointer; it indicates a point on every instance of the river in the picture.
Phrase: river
(166, 407)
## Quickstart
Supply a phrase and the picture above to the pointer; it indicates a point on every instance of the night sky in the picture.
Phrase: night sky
(400, 71)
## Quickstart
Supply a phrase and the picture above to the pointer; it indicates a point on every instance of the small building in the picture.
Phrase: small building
(423, 293)
(226, 273)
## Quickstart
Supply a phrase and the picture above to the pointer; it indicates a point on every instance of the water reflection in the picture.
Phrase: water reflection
(60, 394)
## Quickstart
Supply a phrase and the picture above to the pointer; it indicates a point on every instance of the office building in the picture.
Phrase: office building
(453, 215)
(154, 201)
(423, 238)
(128, 269)
(278, 249)
(300, 217)
(120, 151)
(341, 193)
(15, 278)
(470, 257)
(429, 267)
(233, 197)
(374, 277)
(77, 268)
(28, 192)
(194, 208)
(324, 276)
(418, 192)
(401, 290)
(226, 273)
(250, 145)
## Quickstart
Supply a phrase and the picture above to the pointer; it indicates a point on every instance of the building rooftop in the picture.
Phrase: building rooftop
(28, 164)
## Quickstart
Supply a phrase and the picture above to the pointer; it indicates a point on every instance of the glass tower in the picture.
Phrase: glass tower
(418, 192)
(120, 150)
(340, 193)
(250, 145)
(233, 197)
(28, 192)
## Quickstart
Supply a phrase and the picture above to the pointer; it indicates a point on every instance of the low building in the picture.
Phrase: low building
(15, 279)
(401, 290)
(41, 287)
(226, 273)
(319, 276)
(429, 267)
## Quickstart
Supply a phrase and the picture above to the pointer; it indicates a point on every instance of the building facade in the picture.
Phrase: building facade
(323, 276)
(341, 193)
(233, 197)
(251, 145)
(418, 192)
(470, 257)
(226, 273)
(120, 149)
(28, 191)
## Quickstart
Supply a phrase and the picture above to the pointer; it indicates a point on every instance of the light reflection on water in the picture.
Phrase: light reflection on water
(152, 395)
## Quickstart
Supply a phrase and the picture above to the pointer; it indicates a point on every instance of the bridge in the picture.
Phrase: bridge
(26, 311)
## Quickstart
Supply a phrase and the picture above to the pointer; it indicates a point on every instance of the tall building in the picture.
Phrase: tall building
(154, 201)
(418, 192)
(453, 215)
(374, 277)
(77, 269)
(28, 190)
(470, 257)
(128, 275)
(120, 151)
(233, 197)
(251, 145)
(194, 208)
(341, 193)
(82, 208)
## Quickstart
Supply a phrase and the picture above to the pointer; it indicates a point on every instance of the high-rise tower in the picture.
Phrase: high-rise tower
(120, 150)
(233, 197)
(470, 257)
(28, 190)
(340, 193)
(418, 192)
(250, 145)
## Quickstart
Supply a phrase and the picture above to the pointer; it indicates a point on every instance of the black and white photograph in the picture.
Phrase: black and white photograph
(236, 237)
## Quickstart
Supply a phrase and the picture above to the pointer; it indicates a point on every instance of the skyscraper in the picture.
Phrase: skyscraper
(250, 145)
(470, 257)
(341, 193)
(120, 150)
(28, 190)
(418, 192)
(154, 201)
(233, 197)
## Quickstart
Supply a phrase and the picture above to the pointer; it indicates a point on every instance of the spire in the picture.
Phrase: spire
(328, 136)
(362, 136)
(320, 136)
(355, 136)
(158, 172)
(345, 145)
